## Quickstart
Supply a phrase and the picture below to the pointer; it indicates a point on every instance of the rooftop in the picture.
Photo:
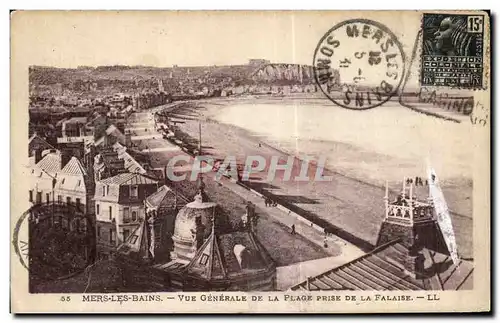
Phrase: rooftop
(382, 269)
(128, 179)
(165, 197)
(230, 254)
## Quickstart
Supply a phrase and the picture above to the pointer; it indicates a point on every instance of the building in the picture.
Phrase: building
(161, 211)
(37, 143)
(410, 255)
(107, 164)
(119, 208)
(129, 162)
(57, 176)
(234, 261)
(112, 134)
(192, 226)
(206, 256)
(76, 129)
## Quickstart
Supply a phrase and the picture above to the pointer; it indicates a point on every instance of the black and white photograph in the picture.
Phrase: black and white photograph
(203, 158)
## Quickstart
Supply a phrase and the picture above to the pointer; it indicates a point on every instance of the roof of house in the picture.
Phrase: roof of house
(130, 163)
(71, 177)
(114, 132)
(37, 142)
(82, 120)
(165, 197)
(382, 269)
(136, 242)
(128, 179)
(74, 167)
(51, 163)
(231, 254)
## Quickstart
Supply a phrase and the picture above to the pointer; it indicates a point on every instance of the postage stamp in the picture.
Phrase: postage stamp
(452, 50)
(359, 64)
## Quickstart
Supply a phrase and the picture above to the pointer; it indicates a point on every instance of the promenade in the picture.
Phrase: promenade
(274, 226)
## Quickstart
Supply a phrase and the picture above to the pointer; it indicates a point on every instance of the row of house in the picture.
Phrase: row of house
(142, 222)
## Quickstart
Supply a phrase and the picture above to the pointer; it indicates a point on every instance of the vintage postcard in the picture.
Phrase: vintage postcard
(250, 162)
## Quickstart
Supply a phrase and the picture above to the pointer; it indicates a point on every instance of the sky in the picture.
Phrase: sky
(157, 38)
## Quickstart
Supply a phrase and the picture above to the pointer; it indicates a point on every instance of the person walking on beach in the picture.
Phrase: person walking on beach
(293, 229)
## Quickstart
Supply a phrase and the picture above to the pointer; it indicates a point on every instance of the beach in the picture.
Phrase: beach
(363, 150)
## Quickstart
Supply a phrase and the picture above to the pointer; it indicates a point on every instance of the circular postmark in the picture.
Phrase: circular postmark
(359, 64)
(54, 241)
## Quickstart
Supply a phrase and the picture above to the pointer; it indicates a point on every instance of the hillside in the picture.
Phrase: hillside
(56, 81)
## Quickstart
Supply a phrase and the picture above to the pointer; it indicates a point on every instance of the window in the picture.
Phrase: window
(110, 213)
(59, 198)
(68, 200)
(79, 182)
(65, 223)
(97, 206)
(133, 191)
(107, 189)
(104, 191)
(47, 197)
(112, 236)
(78, 204)
(31, 195)
(134, 216)
(126, 233)
(98, 232)
(204, 259)
(62, 182)
(126, 215)
(38, 197)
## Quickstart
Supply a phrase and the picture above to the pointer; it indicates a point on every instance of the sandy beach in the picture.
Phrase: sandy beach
(363, 150)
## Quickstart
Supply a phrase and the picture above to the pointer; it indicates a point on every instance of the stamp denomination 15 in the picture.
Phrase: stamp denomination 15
(359, 64)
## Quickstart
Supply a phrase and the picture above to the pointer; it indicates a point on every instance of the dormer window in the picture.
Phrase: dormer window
(134, 191)
(204, 259)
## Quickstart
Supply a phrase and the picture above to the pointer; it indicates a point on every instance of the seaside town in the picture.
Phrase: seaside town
(100, 143)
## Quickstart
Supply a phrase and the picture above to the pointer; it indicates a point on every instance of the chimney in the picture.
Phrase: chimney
(38, 155)
(65, 157)
(414, 261)
(128, 138)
